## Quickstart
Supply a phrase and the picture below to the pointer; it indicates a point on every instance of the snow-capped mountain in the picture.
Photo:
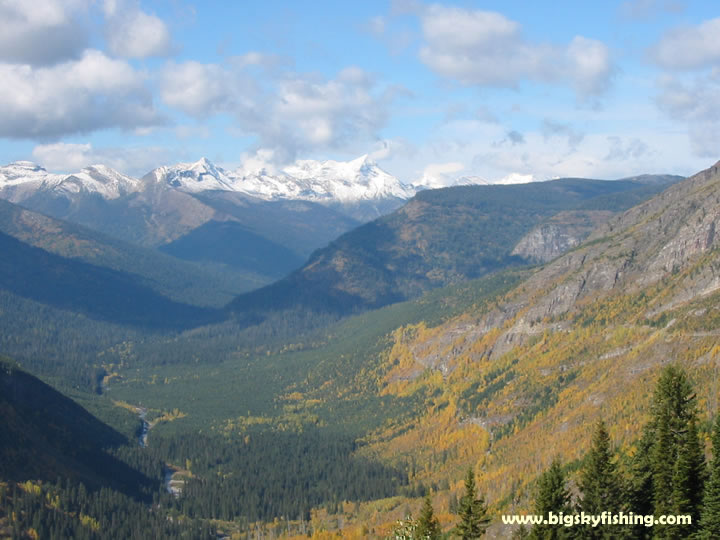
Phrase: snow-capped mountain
(516, 178)
(359, 181)
(193, 177)
(347, 181)
(320, 181)
(23, 179)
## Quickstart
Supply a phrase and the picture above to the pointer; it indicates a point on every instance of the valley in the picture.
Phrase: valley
(479, 372)
(390, 270)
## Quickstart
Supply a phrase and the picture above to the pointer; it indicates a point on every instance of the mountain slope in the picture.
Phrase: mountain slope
(167, 275)
(22, 179)
(98, 292)
(47, 435)
(582, 339)
(173, 202)
(440, 237)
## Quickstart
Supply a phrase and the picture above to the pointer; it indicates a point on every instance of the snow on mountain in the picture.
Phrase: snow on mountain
(356, 181)
(193, 177)
(346, 181)
(22, 179)
(516, 178)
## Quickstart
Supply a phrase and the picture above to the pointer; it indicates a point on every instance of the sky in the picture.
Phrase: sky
(493, 89)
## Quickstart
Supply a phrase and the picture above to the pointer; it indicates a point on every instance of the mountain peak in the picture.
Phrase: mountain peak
(27, 165)
(205, 163)
(362, 161)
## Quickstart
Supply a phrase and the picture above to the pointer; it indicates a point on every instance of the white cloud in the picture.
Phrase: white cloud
(438, 175)
(690, 47)
(487, 49)
(42, 32)
(590, 65)
(139, 36)
(91, 93)
(132, 33)
(262, 160)
(287, 112)
(198, 89)
(392, 148)
(697, 104)
(71, 157)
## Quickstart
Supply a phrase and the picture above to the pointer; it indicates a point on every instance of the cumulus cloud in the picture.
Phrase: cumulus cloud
(589, 65)
(76, 96)
(689, 47)
(487, 49)
(132, 33)
(438, 175)
(696, 103)
(392, 148)
(71, 157)
(288, 112)
(199, 89)
(42, 32)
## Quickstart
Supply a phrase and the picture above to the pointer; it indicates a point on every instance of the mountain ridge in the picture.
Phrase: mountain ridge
(440, 237)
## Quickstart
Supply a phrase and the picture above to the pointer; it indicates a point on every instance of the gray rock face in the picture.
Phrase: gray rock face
(558, 235)
(671, 236)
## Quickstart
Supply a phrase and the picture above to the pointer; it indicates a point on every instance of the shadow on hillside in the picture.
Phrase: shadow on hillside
(99, 293)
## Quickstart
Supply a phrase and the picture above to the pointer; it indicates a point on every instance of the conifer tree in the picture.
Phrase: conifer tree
(428, 526)
(600, 485)
(710, 516)
(472, 511)
(640, 492)
(689, 476)
(675, 452)
(552, 496)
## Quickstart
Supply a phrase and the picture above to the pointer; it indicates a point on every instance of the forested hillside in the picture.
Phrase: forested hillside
(178, 280)
(440, 237)
(499, 374)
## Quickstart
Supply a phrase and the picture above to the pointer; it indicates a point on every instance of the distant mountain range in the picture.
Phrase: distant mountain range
(326, 182)
(448, 236)
(180, 209)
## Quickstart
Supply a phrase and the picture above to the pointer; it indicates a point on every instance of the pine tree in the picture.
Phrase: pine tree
(428, 526)
(600, 485)
(675, 458)
(689, 476)
(552, 496)
(710, 516)
(472, 511)
(640, 489)
(641, 480)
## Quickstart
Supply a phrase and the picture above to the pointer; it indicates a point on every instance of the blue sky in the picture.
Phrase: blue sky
(491, 89)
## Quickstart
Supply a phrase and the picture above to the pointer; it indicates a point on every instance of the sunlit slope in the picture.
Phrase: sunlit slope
(509, 388)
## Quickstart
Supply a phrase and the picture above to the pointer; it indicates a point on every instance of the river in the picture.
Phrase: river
(172, 487)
